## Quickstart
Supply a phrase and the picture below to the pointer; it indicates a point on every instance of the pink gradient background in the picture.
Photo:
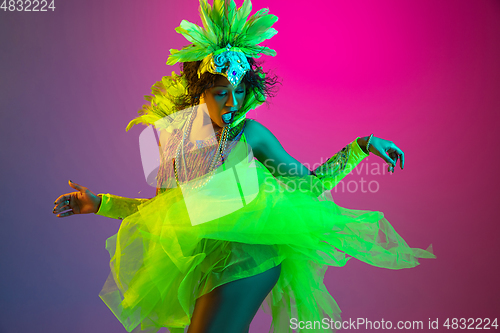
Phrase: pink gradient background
(422, 74)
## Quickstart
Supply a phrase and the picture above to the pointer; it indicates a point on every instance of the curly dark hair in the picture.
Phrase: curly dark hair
(262, 88)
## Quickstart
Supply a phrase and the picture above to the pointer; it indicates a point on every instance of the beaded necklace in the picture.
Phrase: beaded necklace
(218, 154)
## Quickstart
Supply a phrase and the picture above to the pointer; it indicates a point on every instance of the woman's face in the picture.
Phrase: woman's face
(223, 101)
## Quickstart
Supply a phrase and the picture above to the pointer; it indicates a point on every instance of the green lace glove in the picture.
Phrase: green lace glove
(339, 165)
(117, 207)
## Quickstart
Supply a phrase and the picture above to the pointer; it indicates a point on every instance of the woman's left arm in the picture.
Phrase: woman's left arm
(269, 151)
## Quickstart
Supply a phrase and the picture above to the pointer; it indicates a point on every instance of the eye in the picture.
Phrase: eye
(222, 94)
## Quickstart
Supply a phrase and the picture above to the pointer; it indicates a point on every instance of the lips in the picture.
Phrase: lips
(228, 116)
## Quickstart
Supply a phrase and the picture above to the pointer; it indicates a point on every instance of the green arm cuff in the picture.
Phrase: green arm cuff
(339, 165)
(117, 207)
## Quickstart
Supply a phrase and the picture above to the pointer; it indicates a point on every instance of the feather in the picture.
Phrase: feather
(251, 51)
(204, 15)
(230, 10)
(145, 119)
(161, 103)
(196, 32)
(254, 17)
(241, 17)
(194, 53)
(188, 36)
(254, 51)
(211, 29)
(189, 53)
(267, 51)
(173, 58)
(261, 25)
(259, 38)
(230, 13)
(219, 19)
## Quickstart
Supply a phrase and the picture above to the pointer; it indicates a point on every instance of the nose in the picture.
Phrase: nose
(232, 101)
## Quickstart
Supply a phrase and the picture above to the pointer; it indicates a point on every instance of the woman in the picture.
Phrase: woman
(226, 230)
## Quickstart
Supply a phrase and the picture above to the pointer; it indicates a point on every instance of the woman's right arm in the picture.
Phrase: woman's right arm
(117, 207)
(84, 201)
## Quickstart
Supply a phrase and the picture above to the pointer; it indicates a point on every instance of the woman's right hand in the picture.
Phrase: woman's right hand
(84, 201)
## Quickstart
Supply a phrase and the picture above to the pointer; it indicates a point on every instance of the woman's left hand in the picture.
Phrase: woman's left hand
(388, 151)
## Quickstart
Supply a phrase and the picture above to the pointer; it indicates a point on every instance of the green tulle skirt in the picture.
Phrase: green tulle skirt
(187, 241)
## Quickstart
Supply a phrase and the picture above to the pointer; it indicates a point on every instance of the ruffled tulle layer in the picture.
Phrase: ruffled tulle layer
(187, 241)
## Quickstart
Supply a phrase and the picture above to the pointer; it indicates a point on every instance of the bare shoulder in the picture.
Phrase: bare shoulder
(253, 132)
(253, 127)
(269, 151)
(259, 137)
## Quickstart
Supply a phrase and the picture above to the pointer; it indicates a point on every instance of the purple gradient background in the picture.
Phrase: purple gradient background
(422, 74)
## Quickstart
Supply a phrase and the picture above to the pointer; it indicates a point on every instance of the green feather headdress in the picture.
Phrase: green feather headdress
(224, 24)
(226, 40)
(228, 36)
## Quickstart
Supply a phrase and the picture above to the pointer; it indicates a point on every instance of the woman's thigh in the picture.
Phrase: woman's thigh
(232, 306)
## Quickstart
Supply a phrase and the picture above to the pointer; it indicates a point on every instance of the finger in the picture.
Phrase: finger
(68, 213)
(394, 156)
(57, 210)
(60, 199)
(76, 186)
(382, 154)
(63, 200)
(401, 156)
(63, 205)
(387, 159)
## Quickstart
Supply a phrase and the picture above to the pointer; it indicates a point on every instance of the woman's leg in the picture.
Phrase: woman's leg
(231, 307)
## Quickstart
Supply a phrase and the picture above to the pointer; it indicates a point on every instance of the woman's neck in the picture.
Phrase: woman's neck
(203, 127)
